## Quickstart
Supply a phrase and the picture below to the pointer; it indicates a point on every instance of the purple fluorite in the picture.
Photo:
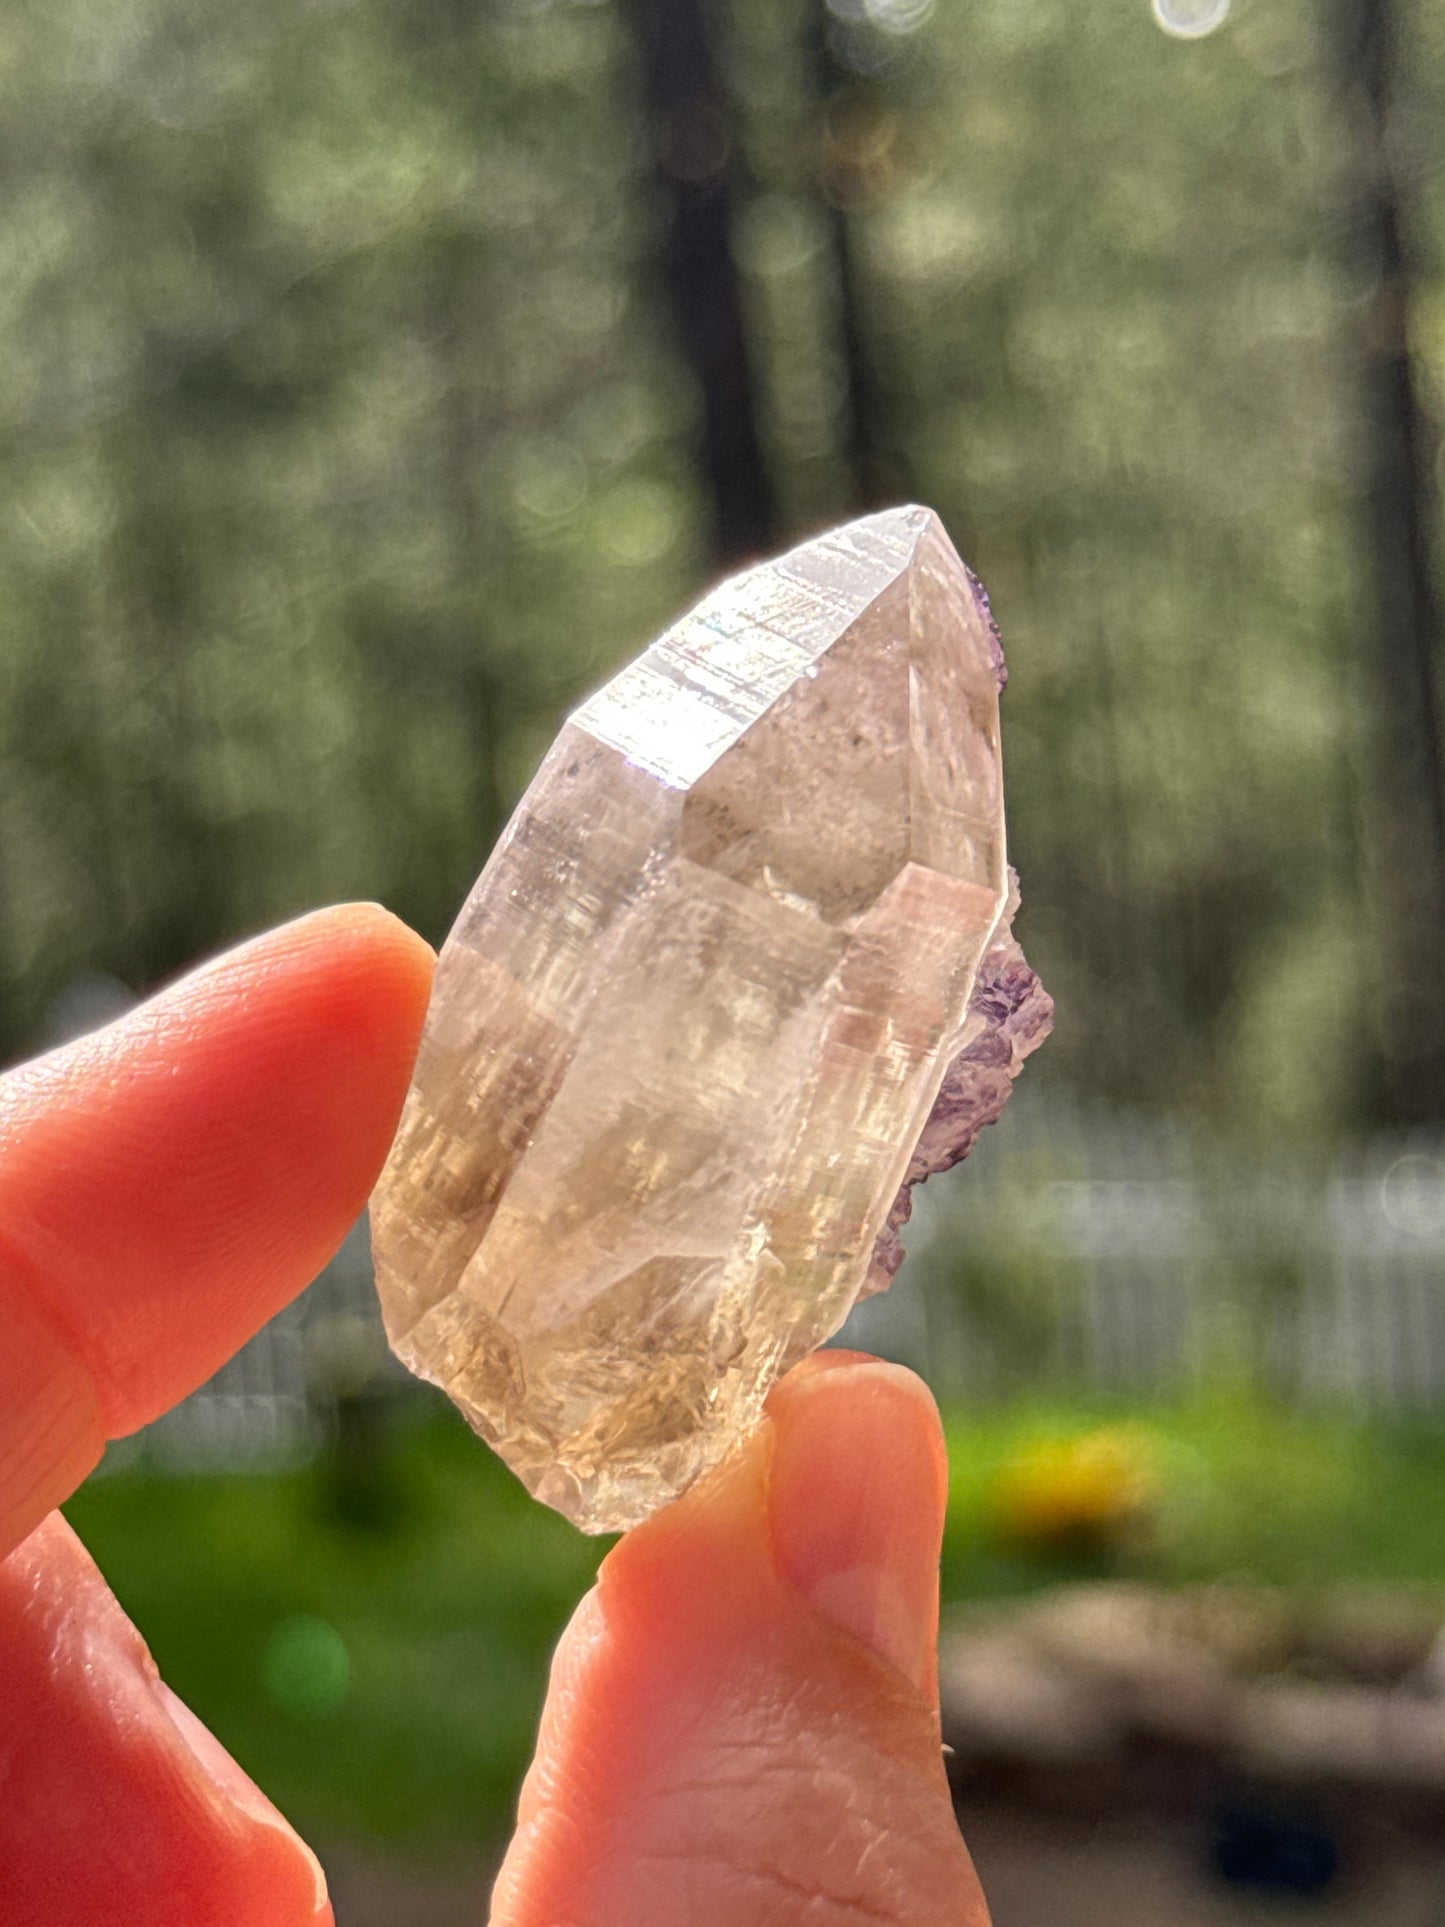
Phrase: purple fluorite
(1009, 1016)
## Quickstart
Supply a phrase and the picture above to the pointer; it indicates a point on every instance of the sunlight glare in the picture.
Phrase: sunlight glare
(1191, 19)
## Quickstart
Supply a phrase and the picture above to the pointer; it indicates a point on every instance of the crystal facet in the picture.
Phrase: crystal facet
(694, 1016)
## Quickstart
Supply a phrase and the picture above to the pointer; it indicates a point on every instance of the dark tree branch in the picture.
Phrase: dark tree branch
(841, 93)
(1400, 525)
(692, 149)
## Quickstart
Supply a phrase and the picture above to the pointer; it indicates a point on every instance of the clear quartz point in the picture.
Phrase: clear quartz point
(694, 1016)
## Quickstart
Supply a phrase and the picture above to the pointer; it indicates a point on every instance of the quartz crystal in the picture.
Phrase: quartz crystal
(692, 1021)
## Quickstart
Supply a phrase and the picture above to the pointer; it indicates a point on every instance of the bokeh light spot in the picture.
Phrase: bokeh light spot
(305, 1667)
(898, 16)
(641, 524)
(1191, 19)
(549, 480)
(1412, 1195)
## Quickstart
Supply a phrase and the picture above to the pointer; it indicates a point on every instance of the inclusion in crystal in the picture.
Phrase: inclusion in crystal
(695, 1015)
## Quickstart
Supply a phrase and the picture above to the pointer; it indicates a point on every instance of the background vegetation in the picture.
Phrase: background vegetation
(378, 377)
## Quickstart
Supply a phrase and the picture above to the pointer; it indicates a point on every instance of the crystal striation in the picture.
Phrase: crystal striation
(696, 1015)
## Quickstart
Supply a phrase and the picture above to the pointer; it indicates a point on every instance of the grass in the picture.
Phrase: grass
(379, 1666)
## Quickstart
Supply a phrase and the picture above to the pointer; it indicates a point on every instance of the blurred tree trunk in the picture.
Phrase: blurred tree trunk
(1400, 517)
(692, 149)
(846, 104)
(467, 647)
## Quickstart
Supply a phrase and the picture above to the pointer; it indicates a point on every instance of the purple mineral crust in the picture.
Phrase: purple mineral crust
(995, 640)
(1009, 1015)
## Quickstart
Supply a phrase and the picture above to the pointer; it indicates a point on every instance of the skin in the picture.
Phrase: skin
(742, 1723)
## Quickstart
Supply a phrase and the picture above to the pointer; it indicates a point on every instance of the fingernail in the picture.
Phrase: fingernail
(857, 1492)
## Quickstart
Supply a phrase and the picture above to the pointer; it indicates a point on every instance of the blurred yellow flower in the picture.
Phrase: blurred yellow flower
(1089, 1493)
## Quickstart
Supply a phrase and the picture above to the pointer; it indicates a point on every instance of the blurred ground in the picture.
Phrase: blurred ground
(368, 1889)
(1038, 1871)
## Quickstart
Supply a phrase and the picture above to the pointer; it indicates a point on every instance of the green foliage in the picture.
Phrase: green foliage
(339, 456)
(346, 444)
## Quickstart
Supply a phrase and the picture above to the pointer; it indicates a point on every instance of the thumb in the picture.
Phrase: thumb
(742, 1725)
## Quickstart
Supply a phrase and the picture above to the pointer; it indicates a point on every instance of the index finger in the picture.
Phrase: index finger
(170, 1182)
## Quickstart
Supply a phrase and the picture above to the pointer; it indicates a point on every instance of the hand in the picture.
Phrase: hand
(742, 1721)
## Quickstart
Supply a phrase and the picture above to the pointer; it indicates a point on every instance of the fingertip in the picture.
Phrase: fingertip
(832, 1358)
(372, 923)
(847, 1372)
(329, 1010)
(172, 1181)
(351, 950)
(375, 936)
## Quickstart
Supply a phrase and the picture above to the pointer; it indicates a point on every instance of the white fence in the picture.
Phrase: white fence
(1089, 1251)
(1119, 1253)
(276, 1401)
